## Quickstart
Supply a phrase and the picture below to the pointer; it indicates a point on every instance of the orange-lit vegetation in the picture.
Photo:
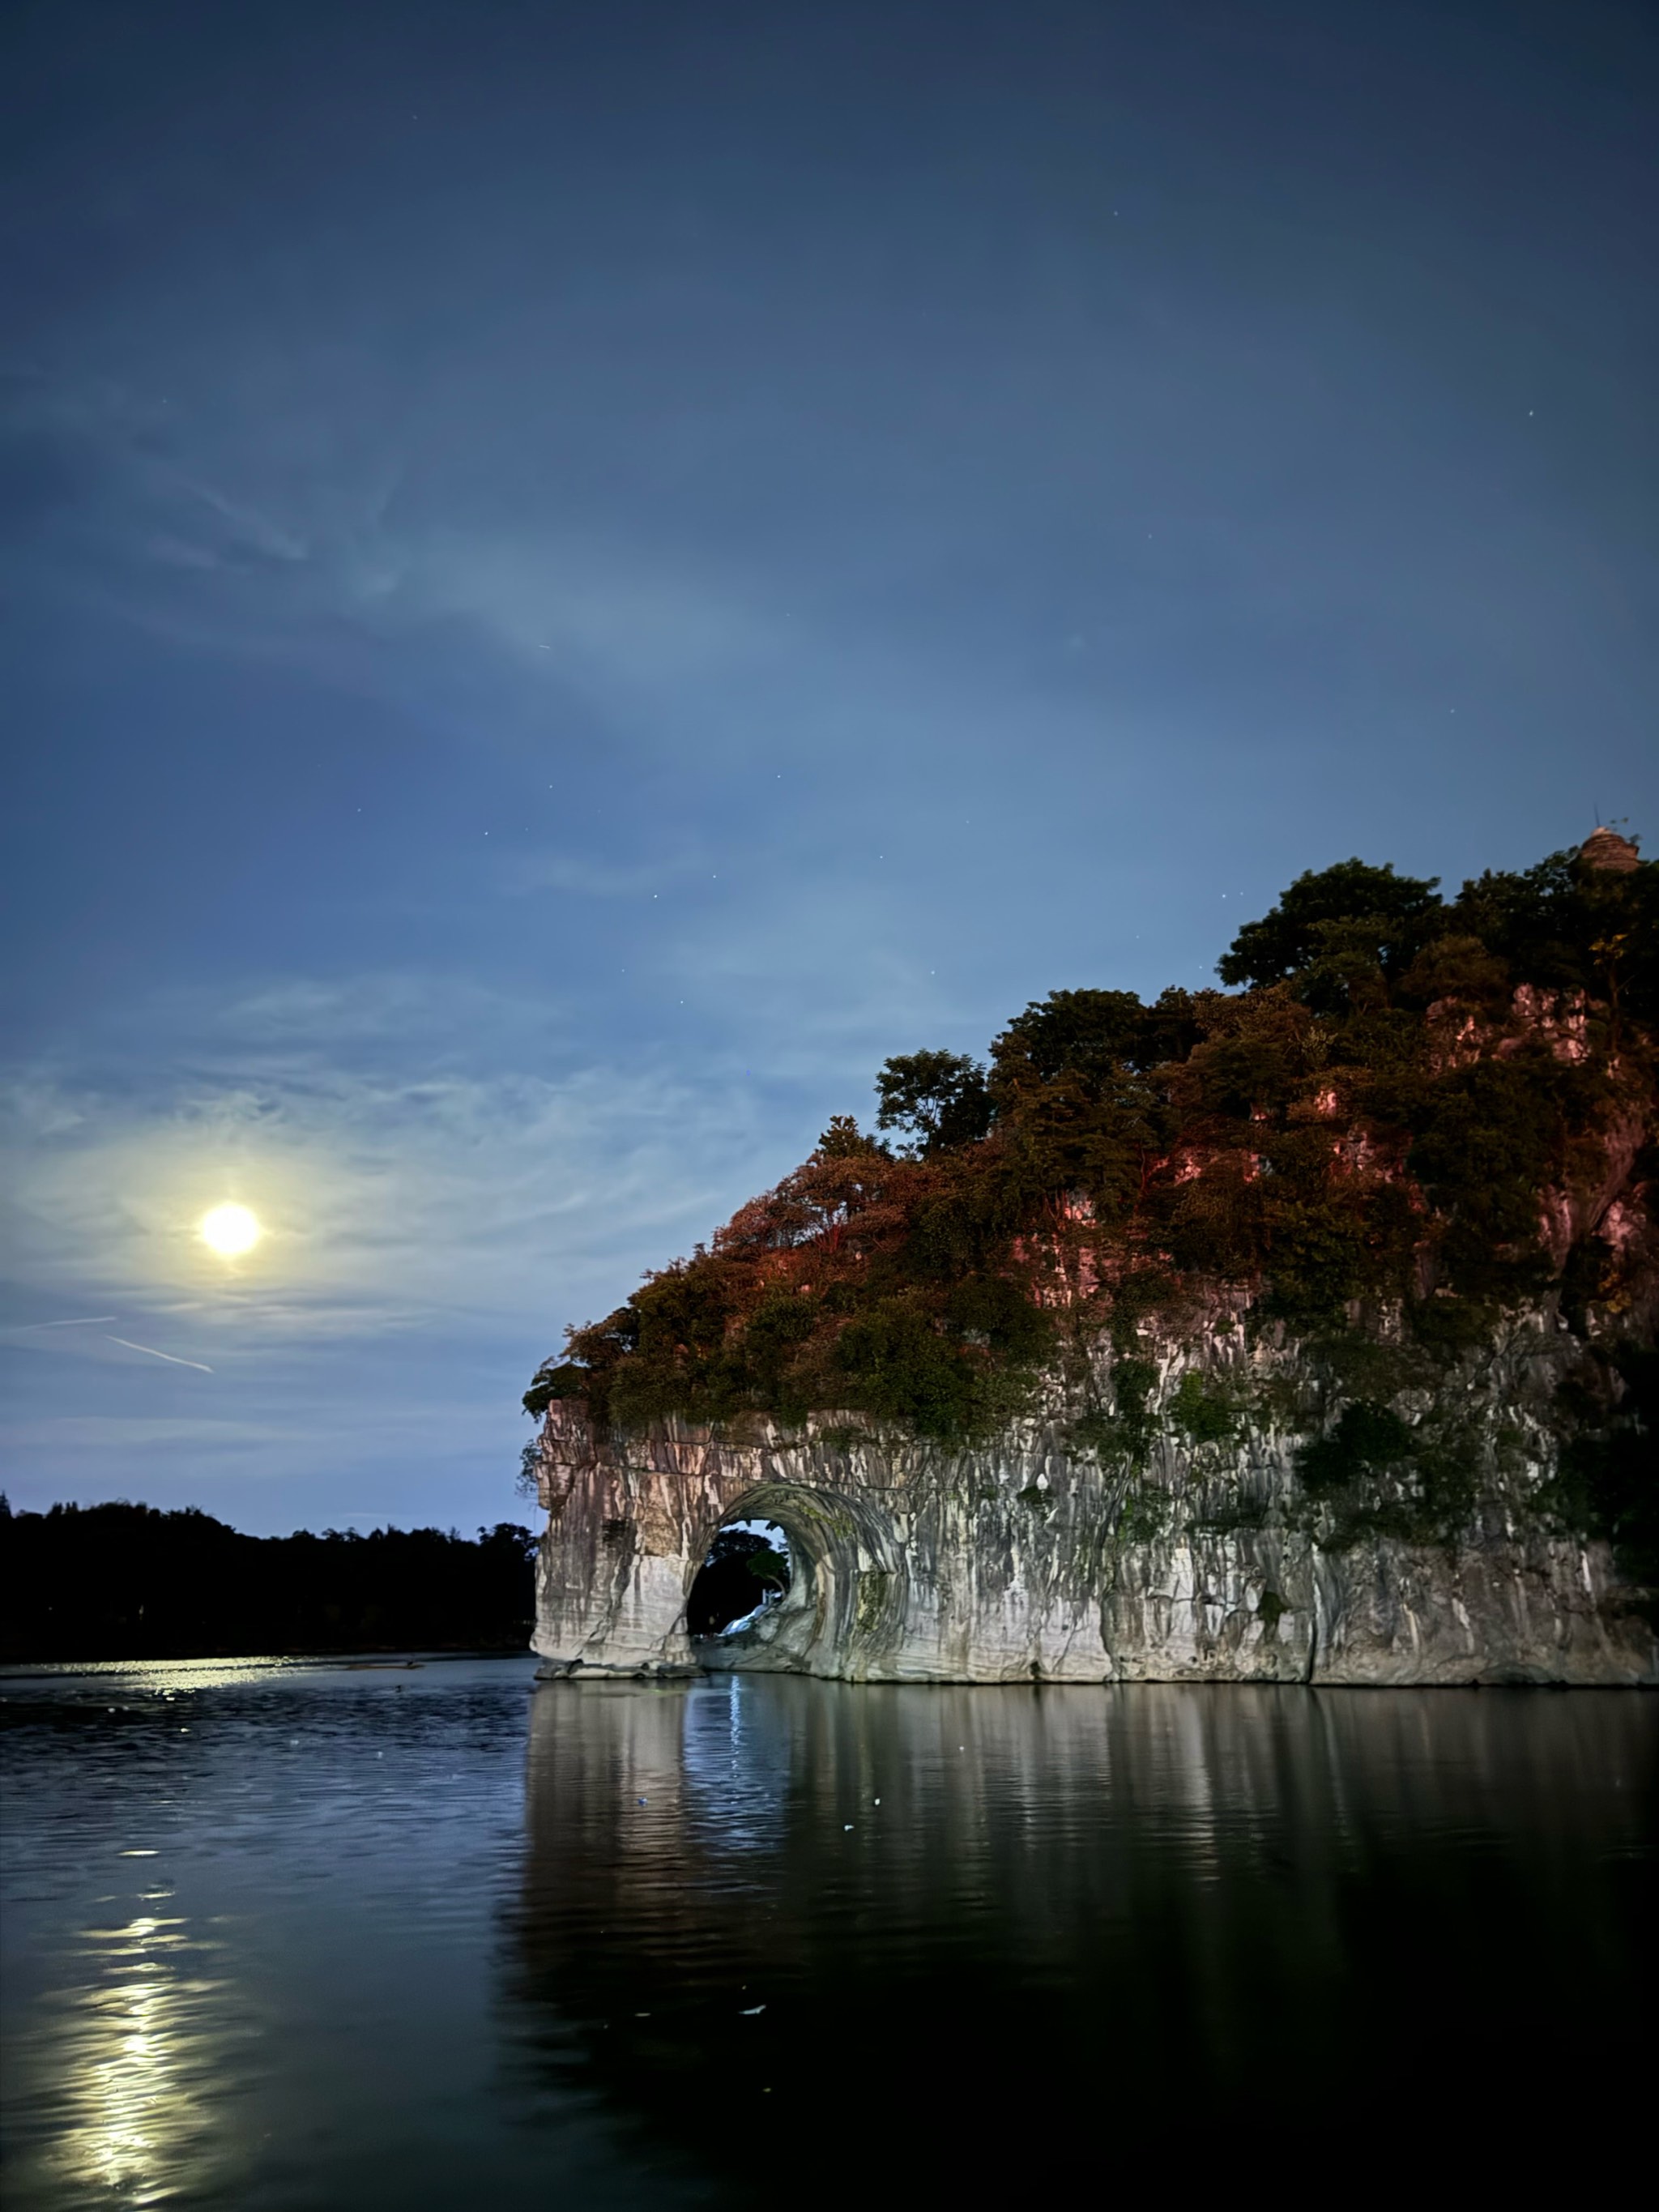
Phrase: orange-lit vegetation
(1406, 1105)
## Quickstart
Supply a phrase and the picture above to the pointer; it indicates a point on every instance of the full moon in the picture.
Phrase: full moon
(230, 1230)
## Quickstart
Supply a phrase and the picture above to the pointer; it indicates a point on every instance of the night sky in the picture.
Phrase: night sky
(576, 575)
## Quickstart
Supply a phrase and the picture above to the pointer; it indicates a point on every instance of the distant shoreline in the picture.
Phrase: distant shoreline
(393, 1657)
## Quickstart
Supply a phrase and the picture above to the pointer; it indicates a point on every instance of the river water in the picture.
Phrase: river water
(296, 1935)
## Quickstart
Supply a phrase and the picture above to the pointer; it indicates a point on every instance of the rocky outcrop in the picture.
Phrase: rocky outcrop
(1180, 1541)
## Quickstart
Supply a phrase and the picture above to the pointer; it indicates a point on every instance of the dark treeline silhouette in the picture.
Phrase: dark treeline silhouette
(128, 1581)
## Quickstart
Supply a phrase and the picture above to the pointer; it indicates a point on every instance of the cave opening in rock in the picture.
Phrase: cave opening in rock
(747, 1571)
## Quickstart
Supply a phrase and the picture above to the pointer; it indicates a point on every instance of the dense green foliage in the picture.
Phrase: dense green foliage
(127, 1582)
(1342, 923)
(1403, 1112)
(939, 1098)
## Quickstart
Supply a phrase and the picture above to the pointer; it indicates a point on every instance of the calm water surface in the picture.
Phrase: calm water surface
(285, 1936)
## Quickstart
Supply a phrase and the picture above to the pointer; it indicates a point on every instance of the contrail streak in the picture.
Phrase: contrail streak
(154, 1354)
(85, 1321)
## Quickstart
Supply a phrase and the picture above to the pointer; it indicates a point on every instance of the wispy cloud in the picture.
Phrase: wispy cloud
(130, 1432)
(605, 612)
(241, 549)
(389, 1198)
(586, 876)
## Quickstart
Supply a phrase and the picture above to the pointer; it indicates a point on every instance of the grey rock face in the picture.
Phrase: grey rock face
(1042, 1556)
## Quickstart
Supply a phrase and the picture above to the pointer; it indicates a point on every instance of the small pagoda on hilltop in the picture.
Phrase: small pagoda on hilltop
(1606, 848)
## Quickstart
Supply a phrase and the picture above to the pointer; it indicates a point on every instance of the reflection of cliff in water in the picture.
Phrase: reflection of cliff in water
(1162, 1915)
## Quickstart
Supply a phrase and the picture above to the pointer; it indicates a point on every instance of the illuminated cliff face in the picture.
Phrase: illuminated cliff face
(1220, 1548)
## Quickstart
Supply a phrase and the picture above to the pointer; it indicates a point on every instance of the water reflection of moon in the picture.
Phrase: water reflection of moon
(145, 2037)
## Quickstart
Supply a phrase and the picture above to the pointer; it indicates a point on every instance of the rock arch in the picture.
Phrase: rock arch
(845, 1609)
(631, 1521)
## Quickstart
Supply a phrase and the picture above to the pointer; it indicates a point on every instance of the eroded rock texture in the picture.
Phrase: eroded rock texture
(1193, 1550)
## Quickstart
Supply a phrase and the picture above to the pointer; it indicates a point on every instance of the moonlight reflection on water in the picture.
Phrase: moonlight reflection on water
(144, 2057)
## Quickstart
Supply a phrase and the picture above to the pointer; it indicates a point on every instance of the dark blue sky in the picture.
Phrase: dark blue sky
(577, 575)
